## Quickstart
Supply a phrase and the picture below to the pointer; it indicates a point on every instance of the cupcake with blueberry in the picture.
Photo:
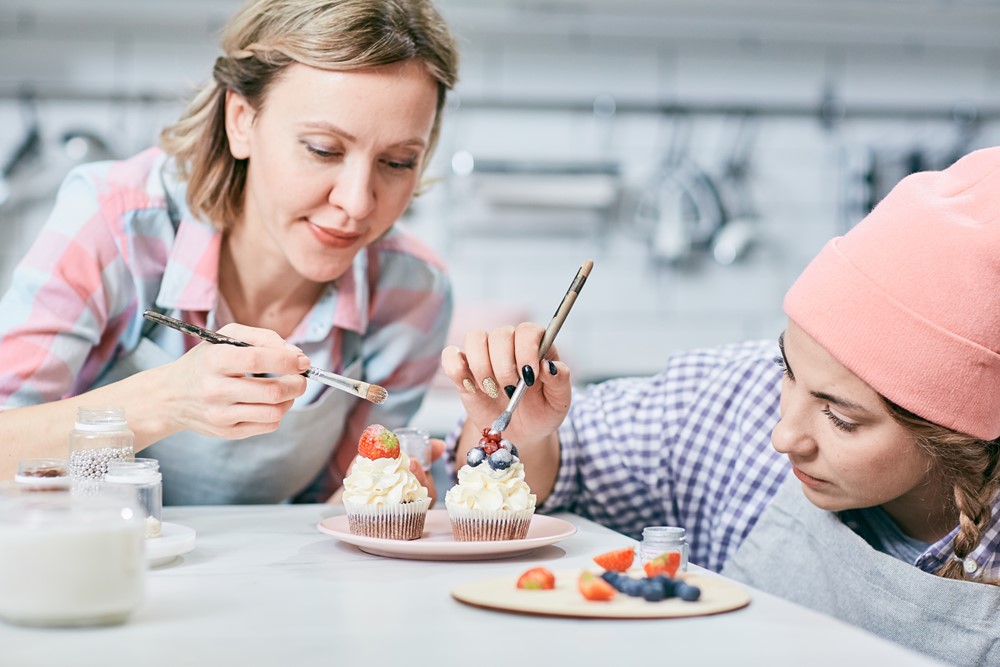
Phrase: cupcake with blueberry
(382, 497)
(491, 500)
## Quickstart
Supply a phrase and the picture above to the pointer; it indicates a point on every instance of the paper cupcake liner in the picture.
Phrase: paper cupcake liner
(488, 525)
(388, 522)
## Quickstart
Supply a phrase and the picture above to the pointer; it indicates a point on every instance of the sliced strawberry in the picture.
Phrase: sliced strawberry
(666, 563)
(537, 579)
(595, 588)
(378, 442)
(619, 560)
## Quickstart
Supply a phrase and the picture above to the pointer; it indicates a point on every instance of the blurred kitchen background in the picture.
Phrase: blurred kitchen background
(699, 151)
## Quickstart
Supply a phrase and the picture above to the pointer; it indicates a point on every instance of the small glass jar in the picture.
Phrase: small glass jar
(43, 474)
(100, 435)
(416, 443)
(68, 559)
(142, 475)
(658, 540)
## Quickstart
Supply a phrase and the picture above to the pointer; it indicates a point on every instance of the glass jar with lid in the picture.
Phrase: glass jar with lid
(68, 559)
(658, 540)
(99, 436)
(416, 443)
(43, 474)
(143, 476)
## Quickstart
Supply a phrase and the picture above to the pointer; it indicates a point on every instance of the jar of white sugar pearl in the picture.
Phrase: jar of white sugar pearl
(100, 435)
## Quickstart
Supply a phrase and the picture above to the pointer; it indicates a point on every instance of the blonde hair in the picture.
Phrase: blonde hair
(972, 468)
(264, 38)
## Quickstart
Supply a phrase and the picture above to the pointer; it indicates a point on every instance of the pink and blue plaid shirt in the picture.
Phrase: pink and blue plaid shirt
(691, 447)
(121, 239)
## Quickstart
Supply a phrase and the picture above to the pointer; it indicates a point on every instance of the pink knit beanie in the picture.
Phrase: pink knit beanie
(909, 299)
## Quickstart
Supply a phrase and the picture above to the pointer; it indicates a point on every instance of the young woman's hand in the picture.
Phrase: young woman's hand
(500, 357)
(234, 392)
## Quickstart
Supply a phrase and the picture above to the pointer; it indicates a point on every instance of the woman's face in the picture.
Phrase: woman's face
(334, 159)
(844, 447)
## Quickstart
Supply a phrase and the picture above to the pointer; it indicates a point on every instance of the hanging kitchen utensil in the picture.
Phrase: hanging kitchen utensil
(738, 229)
(680, 209)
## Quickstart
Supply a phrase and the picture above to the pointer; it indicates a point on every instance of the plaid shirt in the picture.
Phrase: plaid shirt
(691, 447)
(121, 239)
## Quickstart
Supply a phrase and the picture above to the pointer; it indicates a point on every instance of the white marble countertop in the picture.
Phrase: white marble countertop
(264, 587)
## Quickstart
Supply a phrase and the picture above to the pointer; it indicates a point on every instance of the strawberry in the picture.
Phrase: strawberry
(378, 442)
(666, 563)
(595, 588)
(537, 579)
(616, 561)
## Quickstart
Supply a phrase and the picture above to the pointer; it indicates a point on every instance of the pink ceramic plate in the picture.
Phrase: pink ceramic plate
(437, 543)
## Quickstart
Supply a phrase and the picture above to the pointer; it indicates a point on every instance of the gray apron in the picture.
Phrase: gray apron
(807, 555)
(267, 468)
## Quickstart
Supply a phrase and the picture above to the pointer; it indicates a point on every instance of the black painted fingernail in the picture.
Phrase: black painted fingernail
(528, 375)
(509, 390)
(552, 368)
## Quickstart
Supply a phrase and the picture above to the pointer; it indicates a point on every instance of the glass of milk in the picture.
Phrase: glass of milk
(68, 558)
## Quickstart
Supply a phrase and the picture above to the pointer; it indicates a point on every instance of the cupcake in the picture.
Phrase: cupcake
(382, 497)
(491, 500)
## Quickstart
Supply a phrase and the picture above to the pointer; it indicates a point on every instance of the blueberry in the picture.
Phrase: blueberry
(687, 592)
(633, 587)
(652, 591)
(500, 459)
(475, 457)
(509, 446)
(668, 585)
(610, 577)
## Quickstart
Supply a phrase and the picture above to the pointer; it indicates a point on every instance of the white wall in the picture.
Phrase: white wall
(902, 56)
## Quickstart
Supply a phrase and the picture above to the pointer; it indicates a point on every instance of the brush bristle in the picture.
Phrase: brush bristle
(376, 394)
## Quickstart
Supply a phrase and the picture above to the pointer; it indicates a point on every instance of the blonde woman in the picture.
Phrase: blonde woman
(268, 213)
(853, 468)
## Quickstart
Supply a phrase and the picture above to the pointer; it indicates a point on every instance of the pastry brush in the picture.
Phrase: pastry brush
(369, 392)
(503, 421)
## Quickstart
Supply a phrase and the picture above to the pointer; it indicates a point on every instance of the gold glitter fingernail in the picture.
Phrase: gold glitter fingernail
(469, 387)
(491, 388)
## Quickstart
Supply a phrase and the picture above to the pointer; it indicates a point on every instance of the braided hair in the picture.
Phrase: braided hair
(971, 467)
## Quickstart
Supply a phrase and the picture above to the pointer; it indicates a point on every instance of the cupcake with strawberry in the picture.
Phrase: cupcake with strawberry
(491, 500)
(382, 497)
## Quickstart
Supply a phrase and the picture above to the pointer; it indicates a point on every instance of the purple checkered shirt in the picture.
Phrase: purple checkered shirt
(691, 447)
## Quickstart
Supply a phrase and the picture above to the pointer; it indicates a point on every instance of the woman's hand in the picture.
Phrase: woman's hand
(234, 392)
(501, 356)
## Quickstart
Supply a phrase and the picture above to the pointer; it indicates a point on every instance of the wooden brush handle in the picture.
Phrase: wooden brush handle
(564, 307)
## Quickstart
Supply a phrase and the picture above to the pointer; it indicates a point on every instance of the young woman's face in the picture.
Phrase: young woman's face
(844, 447)
(334, 159)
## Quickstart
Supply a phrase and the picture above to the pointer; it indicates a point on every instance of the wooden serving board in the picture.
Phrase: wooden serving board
(501, 593)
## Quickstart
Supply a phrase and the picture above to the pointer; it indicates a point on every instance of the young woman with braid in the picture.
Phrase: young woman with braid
(858, 475)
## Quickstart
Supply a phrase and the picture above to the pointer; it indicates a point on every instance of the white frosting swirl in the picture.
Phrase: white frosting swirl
(487, 489)
(382, 482)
